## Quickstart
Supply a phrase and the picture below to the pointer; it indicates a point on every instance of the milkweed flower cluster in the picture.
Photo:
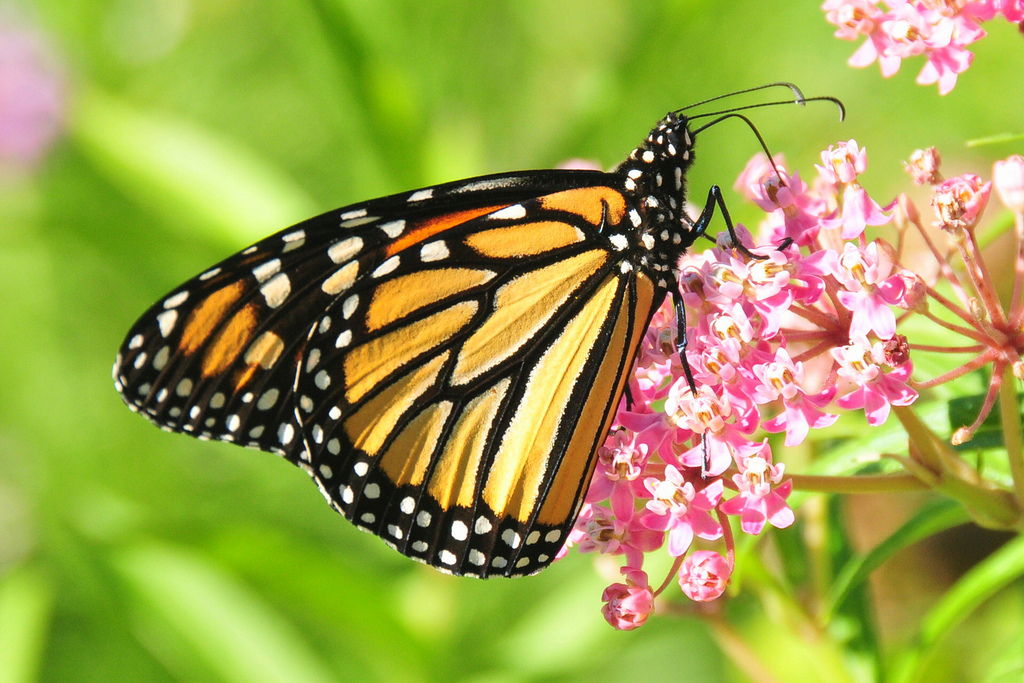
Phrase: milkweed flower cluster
(940, 30)
(32, 97)
(778, 344)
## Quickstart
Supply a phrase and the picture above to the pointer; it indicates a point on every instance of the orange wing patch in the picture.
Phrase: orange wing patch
(420, 232)
(207, 315)
(588, 203)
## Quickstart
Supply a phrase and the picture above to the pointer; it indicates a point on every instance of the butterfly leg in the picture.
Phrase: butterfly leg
(681, 342)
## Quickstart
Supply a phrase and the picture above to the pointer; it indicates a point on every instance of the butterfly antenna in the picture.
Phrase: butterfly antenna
(797, 94)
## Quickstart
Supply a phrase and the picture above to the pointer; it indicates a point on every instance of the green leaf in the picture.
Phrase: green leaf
(941, 515)
(197, 180)
(26, 603)
(224, 623)
(987, 578)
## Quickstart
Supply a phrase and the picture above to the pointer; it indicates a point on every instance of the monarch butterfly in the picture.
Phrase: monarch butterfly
(444, 363)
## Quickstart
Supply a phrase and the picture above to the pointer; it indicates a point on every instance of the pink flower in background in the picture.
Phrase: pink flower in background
(32, 97)
(704, 576)
(897, 29)
(627, 605)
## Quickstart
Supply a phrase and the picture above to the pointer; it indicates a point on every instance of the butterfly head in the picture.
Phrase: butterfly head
(655, 176)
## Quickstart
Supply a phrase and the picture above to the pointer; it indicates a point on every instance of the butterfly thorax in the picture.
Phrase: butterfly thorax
(656, 180)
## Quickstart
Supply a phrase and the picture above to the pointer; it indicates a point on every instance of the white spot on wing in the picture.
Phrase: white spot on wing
(434, 251)
(176, 300)
(267, 270)
(460, 532)
(276, 290)
(349, 215)
(386, 267)
(166, 321)
(393, 228)
(514, 212)
(421, 195)
(342, 251)
(341, 279)
(349, 306)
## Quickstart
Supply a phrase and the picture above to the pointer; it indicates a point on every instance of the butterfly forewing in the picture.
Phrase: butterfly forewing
(444, 363)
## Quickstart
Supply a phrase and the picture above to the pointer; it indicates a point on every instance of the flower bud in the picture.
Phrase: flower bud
(1008, 177)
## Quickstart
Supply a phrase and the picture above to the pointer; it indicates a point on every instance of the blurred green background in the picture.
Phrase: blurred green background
(194, 127)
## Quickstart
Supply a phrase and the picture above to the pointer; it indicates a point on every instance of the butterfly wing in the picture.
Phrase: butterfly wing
(444, 363)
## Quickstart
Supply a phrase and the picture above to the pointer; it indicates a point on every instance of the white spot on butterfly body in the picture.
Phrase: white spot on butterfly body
(648, 156)
(619, 241)
(421, 195)
(434, 251)
(276, 290)
(634, 218)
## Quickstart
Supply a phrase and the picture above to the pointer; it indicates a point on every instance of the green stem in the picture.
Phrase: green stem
(1009, 415)
(858, 483)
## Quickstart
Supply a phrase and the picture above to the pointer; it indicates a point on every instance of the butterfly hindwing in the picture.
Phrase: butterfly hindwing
(444, 363)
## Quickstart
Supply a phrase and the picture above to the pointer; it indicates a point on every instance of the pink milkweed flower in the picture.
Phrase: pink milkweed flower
(32, 97)
(860, 364)
(923, 166)
(761, 498)
(620, 461)
(871, 288)
(1008, 178)
(960, 201)
(704, 575)
(600, 529)
(783, 379)
(842, 163)
(678, 508)
(627, 605)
